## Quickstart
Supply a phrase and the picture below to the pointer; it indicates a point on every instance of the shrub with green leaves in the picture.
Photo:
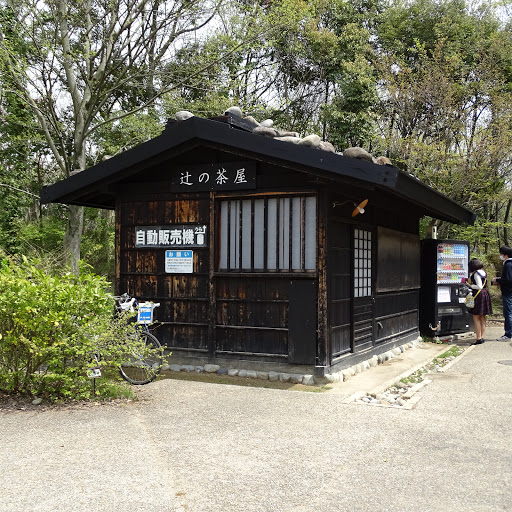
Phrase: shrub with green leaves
(51, 327)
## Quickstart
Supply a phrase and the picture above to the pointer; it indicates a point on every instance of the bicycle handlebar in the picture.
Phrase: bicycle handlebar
(127, 303)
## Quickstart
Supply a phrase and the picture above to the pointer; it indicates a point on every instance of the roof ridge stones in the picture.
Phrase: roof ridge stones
(265, 128)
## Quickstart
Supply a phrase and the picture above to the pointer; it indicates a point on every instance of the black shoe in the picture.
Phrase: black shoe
(478, 342)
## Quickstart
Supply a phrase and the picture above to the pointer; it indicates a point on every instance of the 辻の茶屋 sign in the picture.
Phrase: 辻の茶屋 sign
(222, 176)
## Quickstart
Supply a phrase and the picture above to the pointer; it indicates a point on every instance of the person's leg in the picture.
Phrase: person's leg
(507, 313)
(483, 325)
(478, 326)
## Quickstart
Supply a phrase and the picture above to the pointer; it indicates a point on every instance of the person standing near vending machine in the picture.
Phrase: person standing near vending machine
(483, 307)
(505, 283)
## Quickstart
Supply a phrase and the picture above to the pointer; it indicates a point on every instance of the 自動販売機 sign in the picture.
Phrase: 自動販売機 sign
(177, 235)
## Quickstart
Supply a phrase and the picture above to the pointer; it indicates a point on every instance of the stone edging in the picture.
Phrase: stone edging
(297, 378)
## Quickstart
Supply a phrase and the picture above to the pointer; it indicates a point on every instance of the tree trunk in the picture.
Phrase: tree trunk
(505, 221)
(73, 237)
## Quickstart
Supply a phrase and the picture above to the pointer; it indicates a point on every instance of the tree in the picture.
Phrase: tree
(90, 63)
(445, 104)
(427, 82)
(325, 76)
(246, 75)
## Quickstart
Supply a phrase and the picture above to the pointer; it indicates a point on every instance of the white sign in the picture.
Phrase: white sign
(443, 294)
(94, 373)
(179, 262)
(177, 235)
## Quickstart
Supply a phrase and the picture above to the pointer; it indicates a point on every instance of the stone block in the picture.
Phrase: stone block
(328, 377)
(346, 374)
(308, 380)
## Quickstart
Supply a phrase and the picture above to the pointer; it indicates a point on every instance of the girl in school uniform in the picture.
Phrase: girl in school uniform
(478, 283)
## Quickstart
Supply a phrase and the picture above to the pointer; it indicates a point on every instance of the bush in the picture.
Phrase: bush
(51, 326)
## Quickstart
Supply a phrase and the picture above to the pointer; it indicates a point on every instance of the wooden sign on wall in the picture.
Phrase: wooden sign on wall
(174, 235)
(222, 176)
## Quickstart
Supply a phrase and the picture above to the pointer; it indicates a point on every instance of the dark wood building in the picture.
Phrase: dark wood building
(250, 245)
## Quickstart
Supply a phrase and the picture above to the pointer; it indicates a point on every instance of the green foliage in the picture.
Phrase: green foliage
(125, 134)
(444, 69)
(428, 83)
(205, 104)
(11, 221)
(51, 327)
(98, 241)
(43, 239)
(44, 236)
(483, 234)
(350, 116)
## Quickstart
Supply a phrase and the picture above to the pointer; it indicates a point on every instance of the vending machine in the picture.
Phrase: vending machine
(444, 267)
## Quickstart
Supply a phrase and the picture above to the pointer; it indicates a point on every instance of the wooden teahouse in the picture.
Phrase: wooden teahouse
(250, 245)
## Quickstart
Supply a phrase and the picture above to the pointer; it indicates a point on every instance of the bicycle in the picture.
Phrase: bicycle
(141, 367)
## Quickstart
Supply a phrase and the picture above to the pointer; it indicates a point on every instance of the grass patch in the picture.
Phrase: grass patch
(104, 391)
(107, 388)
(451, 352)
(415, 377)
(431, 339)
(439, 361)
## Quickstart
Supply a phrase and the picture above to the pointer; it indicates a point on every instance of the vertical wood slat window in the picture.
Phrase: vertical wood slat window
(362, 263)
(271, 234)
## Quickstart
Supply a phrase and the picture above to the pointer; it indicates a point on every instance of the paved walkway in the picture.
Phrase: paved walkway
(380, 377)
(196, 447)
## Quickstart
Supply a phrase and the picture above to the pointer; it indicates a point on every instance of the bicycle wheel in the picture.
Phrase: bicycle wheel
(143, 368)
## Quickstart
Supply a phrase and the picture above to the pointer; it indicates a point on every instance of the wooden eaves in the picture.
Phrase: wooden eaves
(93, 187)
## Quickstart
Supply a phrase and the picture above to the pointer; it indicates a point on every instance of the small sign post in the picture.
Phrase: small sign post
(145, 313)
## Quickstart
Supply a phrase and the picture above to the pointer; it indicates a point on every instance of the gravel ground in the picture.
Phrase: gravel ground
(194, 446)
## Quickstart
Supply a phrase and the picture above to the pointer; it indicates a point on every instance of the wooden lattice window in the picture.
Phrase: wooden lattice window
(268, 234)
(362, 263)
